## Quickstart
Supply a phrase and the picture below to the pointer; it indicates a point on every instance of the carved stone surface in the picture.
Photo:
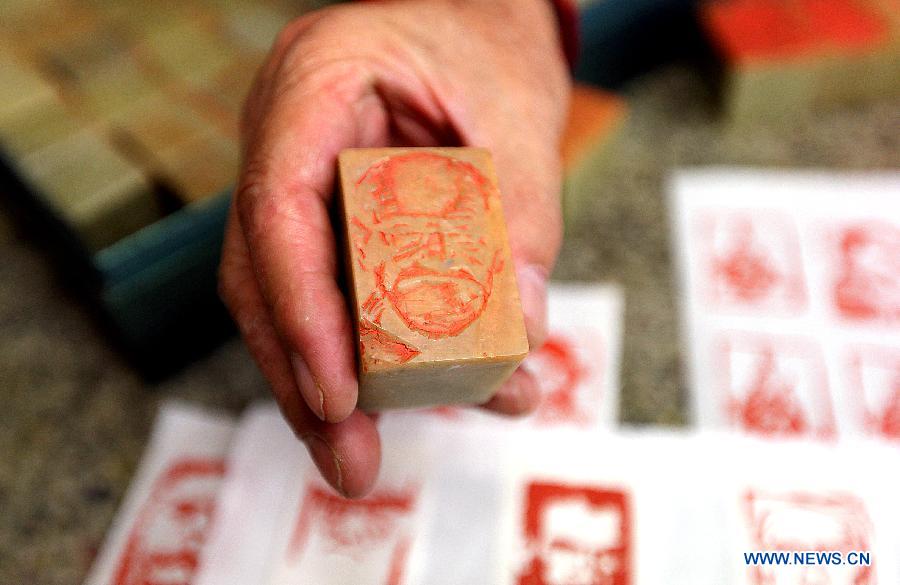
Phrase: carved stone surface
(433, 289)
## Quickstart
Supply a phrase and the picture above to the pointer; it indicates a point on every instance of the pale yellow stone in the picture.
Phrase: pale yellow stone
(36, 125)
(21, 85)
(433, 288)
(92, 187)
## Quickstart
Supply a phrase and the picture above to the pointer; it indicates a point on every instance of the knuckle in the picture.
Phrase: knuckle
(296, 29)
(291, 323)
(251, 190)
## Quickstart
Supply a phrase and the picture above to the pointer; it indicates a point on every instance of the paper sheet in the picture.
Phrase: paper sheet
(279, 522)
(162, 524)
(790, 291)
(683, 508)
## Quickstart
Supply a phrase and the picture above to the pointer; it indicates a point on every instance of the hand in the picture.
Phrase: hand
(397, 73)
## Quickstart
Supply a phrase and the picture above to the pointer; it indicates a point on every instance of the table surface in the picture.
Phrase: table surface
(74, 417)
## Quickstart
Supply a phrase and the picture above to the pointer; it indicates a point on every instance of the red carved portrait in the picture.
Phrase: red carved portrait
(421, 237)
(575, 535)
(790, 522)
(165, 543)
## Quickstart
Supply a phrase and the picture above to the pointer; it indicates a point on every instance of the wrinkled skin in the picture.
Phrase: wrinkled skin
(396, 73)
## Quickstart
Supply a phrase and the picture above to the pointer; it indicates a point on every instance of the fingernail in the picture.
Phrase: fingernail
(310, 388)
(326, 460)
(533, 294)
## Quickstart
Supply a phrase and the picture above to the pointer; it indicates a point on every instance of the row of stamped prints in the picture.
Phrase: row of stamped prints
(460, 504)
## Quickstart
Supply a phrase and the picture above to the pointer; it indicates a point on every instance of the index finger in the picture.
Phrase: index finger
(282, 200)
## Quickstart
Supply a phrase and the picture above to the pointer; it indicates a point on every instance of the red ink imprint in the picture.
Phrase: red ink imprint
(576, 535)
(379, 345)
(867, 283)
(165, 542)
(875, 384)
(559, 373)
(776, 387)
(437, 280)
(752, 261)
(808, 522)
(356, 528)
(771, 407)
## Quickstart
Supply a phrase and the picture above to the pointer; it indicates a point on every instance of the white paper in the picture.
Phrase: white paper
(609, 508)
(263, 467)
(668, 507)
(162, 524)
(799, 496)
(790, 291)
(280, 523)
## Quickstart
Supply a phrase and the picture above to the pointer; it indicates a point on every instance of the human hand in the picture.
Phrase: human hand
(396, 73)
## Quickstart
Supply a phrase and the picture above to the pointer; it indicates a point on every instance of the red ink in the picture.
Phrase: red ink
(576, 535)
(365, 233)
(751, 262)
(379, 345)
(377, 525)
(560, 374)
(435, 303)
(867, 284)
(398, 563)
(437, 279)
(875, 383)
(775, 386)
(747, 272)
(771, 407)
(164, 545)
(808, 522)
(889, 425)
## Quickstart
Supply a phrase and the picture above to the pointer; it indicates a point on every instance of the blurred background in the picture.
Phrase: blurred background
(118, 146)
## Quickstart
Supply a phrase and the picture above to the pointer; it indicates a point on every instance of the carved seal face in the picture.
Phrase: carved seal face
(420, 238)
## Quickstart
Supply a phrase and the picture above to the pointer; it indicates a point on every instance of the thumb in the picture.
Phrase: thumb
(531, 197)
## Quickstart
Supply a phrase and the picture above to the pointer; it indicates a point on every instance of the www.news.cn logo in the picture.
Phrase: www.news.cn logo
(814, 557)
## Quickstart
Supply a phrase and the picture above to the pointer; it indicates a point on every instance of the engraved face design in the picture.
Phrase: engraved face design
(422, 238)
(165, 545)
(357, 523)
(559, 372)
(809, 522)
(575, 536)
(352, 541)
